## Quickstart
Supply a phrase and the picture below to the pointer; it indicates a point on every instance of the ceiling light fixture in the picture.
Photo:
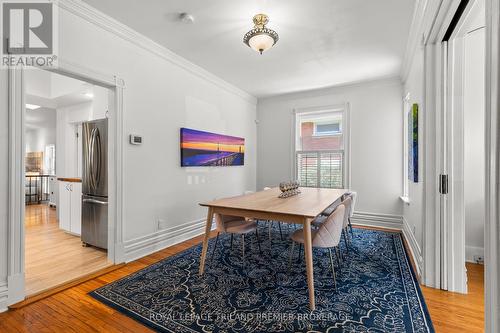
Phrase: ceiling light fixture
(261, 38)
(32, 106)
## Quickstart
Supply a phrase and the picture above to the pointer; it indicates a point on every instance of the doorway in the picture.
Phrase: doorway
(464, 155)
(60, 244)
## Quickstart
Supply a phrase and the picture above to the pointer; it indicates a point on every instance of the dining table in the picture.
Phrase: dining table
(268, 206)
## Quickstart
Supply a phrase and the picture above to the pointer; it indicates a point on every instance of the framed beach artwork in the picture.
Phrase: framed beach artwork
(200, 148)
(413, 143)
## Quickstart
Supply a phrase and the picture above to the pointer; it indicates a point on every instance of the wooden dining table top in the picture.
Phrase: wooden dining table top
(309, 203)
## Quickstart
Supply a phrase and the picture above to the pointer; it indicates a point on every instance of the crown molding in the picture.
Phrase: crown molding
(92, 15)
(430, 20)
(415, 37)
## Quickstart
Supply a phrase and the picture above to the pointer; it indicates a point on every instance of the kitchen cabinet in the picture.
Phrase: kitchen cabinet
(70, 207)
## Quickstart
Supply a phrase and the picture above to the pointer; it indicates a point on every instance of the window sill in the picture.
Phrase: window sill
(406, 200)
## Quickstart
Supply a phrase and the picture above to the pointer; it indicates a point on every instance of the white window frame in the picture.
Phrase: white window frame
(345, 132)
(405, 196)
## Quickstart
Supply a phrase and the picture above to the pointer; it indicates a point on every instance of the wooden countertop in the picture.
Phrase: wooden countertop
(70, 180)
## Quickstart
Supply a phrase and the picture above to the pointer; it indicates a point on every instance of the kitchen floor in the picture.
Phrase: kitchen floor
(54, 257)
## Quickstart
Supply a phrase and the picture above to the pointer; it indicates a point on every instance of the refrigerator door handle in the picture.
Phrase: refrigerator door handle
(95, 201)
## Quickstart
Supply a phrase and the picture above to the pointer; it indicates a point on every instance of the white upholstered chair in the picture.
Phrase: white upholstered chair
(327, 236)
(235, 225)
(354, 196)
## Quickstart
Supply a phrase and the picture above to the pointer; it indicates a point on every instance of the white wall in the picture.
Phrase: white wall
(414, 211)
(160, 96)
(376, 140)
(66, 148)
(474, 166)
(40, 129)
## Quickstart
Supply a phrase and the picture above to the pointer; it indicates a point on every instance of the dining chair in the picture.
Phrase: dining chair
(235, 225)
(322, 218)
(347, 203)
(326, 237)
(353, 196)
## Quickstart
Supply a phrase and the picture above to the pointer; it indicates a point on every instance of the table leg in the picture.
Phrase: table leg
(309, 262)
(208, 227)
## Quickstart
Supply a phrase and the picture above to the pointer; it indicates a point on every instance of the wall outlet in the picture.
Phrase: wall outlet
(479, 259)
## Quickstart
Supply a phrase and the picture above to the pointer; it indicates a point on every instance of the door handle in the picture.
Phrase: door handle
(95, 201)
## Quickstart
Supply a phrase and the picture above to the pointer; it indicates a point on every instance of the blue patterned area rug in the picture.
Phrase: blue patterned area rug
(376, 289)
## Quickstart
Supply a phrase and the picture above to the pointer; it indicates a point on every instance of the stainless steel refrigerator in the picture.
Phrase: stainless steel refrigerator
(95, 183)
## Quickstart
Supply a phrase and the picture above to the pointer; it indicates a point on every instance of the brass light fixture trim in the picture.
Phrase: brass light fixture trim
(260, 38)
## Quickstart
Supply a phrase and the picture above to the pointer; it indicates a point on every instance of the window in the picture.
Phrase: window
(320, 148)
(50, 160)
(329, 128)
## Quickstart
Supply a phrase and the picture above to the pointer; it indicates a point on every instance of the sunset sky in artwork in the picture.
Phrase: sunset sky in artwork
(193, 139)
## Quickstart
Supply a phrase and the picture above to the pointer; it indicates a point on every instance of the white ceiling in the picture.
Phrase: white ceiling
(51, 90)
(322, 42)
(40, 118)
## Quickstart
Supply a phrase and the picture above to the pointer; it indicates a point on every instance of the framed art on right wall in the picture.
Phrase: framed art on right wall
(413, 143)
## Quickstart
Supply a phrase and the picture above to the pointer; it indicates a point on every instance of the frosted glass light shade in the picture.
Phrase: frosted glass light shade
(260, 38)
(261, 42)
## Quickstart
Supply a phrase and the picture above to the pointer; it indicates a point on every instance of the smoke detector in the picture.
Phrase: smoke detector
(186, 18)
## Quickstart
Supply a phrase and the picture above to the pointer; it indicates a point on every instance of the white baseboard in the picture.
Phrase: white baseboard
(15, 285)
(4, 296)
(471, 251)
(386, 221)
(414, 248)
(145, 245)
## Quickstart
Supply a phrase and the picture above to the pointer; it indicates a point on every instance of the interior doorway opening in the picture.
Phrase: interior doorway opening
(463, 209)
(66, 232)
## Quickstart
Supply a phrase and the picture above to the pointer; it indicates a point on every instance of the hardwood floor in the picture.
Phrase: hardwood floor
(453, 312)
(73, 310)
(54, 257)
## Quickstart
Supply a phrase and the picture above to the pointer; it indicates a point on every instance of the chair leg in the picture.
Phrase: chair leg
(350, 226)
(333, 269)
(232, 241)
(345, 240)
(339, 255)
(258, 239)
(290, 256)
(243, 250)
(215, 247)
(300, 251)
(281, 233)
(270, 228)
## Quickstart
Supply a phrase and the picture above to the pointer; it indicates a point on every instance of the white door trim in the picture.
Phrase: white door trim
(492, 120)
(15, 235)
(455, 270)
(15, 279)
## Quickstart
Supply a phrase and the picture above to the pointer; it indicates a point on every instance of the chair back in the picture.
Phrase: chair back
(329, 232)
(221, 220)
(348, 207)
(353, 196)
